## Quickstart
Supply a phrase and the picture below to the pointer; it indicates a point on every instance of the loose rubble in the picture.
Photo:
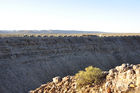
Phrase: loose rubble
(121, 79)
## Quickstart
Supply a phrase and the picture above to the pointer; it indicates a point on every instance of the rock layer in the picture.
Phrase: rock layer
(28, 62)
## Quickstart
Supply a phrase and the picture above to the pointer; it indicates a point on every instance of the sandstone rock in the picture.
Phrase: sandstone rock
(137, 71)
(128, 64)
(105, 72)
(125, 79)
(52, 90)
(135, 67)
(108, 90)
(111, 72)
(66, 78)
(57, 79)
(107, 84)
(130, 74)
(124, 65)
(137, 90)
(118, 68)
(138, 81)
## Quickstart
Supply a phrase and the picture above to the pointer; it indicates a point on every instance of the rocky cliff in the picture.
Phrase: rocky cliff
(121, 79)
(28, 62)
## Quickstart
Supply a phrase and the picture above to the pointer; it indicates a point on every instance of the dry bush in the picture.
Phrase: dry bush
(91, 75)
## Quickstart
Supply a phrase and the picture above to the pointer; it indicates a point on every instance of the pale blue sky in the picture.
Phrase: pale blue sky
(92, 15)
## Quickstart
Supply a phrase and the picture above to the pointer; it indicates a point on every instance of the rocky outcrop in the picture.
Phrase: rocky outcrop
(28, 62)
(122, 79)
(67, 85)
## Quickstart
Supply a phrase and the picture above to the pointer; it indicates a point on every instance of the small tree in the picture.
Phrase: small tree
(89, 76)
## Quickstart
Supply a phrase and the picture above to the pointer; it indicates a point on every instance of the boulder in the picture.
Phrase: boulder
(57, 79)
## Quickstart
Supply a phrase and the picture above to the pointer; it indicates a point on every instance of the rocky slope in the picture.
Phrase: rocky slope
(28, 62)
(121, 79)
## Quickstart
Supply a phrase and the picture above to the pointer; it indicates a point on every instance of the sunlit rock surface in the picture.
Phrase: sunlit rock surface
(122, 80)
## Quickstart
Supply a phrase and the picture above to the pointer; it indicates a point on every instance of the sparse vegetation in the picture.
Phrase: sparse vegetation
(63, 35)
(91, 75)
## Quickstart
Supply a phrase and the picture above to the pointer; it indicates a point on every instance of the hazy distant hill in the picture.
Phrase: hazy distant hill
(46, 31)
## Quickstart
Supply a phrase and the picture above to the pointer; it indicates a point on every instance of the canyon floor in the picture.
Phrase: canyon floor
(27, 61)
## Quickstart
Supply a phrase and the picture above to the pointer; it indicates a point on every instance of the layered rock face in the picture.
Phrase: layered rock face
(28, 62)
(122, 79)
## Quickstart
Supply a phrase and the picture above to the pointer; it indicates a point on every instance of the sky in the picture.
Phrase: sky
(122, 16)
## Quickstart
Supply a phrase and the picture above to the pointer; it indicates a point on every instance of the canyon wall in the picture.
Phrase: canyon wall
(28, 62)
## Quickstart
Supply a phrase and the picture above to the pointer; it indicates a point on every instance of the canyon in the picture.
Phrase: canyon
(27, 62)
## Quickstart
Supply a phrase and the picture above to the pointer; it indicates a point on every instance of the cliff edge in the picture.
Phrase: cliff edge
(121, 79)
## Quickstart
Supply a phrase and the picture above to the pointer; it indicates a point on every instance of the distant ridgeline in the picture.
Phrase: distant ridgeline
(46, 31)
(28, 62)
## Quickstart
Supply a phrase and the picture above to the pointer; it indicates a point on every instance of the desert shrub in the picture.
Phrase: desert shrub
(91, 75)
